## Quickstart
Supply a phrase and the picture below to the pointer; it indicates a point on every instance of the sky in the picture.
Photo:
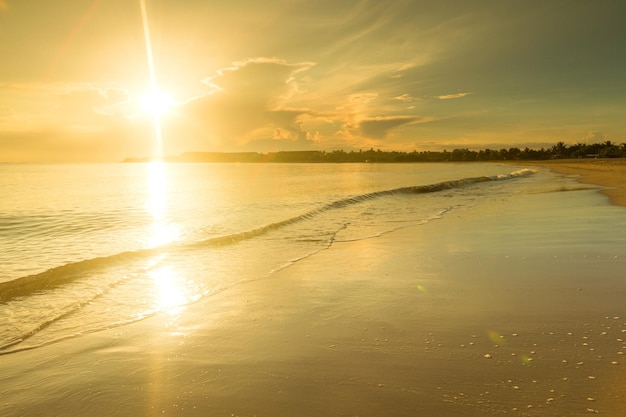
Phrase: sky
(92, 80)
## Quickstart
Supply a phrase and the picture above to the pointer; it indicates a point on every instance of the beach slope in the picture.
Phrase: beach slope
(609, 173)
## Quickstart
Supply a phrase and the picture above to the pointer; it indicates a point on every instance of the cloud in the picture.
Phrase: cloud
(379, 127)
(451, 96)
(257, 78)
(288, 123)
(91, 100)
(247, 98)
(88, 107)
(60, 106)
(8, 119)
(4, 5)
(49, 145)
(69, 123)
(594, 137)
(6, 113)
(405, 98)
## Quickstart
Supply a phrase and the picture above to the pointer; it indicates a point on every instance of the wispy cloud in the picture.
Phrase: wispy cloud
(88, 102)
(594, 137)
(451, 96)
(60, 105)
(405, 98)
(7, 116)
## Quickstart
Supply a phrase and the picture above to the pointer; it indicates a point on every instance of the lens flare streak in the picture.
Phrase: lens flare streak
(158, 153)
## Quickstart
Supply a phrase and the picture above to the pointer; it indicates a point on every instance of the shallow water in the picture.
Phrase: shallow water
(90, 247)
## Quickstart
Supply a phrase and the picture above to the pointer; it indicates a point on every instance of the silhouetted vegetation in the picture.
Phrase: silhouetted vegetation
(558, 151)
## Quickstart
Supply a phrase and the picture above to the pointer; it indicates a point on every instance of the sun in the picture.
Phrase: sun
(156, 103)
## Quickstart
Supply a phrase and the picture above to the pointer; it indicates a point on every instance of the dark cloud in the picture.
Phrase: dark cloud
(290, 121)
(379, 127)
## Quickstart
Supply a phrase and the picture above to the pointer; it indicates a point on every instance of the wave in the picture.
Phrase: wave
(68, 273)
(69, 310)
(64, 274)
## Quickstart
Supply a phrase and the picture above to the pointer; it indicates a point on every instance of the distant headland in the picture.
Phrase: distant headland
(558, 151)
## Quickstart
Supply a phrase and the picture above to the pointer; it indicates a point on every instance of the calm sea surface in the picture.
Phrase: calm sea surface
(88, 247)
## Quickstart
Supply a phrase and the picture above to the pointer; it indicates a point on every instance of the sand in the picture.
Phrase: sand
(610, 173)
(359, 332)
(452, 318)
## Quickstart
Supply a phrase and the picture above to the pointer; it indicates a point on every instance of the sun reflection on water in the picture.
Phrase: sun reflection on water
(161, 230)
(169, 290)
(156, 189)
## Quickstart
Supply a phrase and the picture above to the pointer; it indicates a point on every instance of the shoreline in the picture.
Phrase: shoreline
(610, 173)
(427, 320)
(507, 308)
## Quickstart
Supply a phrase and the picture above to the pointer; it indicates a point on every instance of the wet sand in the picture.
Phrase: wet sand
(451, 318)
(357, 332)
(610, 173)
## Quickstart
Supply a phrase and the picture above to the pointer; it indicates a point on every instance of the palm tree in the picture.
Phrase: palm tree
(559, 150)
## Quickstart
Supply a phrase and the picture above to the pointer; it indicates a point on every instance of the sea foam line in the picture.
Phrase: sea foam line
(70, 272)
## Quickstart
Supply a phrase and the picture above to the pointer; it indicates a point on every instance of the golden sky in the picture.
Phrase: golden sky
(248, 75)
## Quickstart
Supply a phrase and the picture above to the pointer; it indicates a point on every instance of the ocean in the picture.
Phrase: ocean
(89, 247)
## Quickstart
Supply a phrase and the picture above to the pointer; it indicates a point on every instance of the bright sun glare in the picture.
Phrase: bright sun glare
(169, 291)
(162, 231)
(156, 103)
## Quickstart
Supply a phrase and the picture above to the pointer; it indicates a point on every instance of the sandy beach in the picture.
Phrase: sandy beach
(456, 318)
(610, 173)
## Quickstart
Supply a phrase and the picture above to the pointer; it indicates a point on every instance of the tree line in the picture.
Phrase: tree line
(559, 150)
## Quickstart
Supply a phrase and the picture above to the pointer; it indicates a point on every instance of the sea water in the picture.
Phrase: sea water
(89, 247)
